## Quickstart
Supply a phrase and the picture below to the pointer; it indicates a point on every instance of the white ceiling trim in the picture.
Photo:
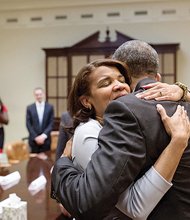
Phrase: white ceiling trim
(101, 14)
(6, 5)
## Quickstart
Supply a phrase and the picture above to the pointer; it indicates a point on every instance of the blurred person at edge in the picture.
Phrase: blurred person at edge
(4, 120)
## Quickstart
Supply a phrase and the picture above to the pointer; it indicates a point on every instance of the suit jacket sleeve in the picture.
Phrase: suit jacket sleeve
(141, 197)
(63, 135)
(49, 117)
(30, 122)
(61, 142)
(113, 167)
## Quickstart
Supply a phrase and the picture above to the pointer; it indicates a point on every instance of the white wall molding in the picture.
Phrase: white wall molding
(6, 5)
(131, 12)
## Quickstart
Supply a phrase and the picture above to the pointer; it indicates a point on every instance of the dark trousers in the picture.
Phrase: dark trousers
(1, 137)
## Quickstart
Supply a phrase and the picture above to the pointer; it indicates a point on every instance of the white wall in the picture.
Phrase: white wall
(22, 60)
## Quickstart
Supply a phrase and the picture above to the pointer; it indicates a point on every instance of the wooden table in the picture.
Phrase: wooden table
(39, 206)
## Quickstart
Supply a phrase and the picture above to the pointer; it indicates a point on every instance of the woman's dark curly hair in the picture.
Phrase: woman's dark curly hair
(82, 86)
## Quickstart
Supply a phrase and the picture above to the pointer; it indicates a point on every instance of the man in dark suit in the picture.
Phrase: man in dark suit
(39, 122)
(130, 142)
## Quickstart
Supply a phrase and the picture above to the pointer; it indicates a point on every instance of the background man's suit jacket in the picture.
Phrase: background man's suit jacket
(130, 142)
(64, 135)
(34, 128)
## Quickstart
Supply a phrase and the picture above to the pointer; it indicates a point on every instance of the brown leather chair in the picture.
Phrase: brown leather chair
(17, 151)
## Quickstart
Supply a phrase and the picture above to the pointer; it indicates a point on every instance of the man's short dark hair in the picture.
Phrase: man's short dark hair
(139, 56)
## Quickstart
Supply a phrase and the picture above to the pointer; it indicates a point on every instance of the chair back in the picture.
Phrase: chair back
(17, 150)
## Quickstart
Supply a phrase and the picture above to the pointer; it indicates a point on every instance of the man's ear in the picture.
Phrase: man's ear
(85, 101)
(158, 77)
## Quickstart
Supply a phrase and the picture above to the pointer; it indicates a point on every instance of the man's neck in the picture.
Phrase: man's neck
(135, 80)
